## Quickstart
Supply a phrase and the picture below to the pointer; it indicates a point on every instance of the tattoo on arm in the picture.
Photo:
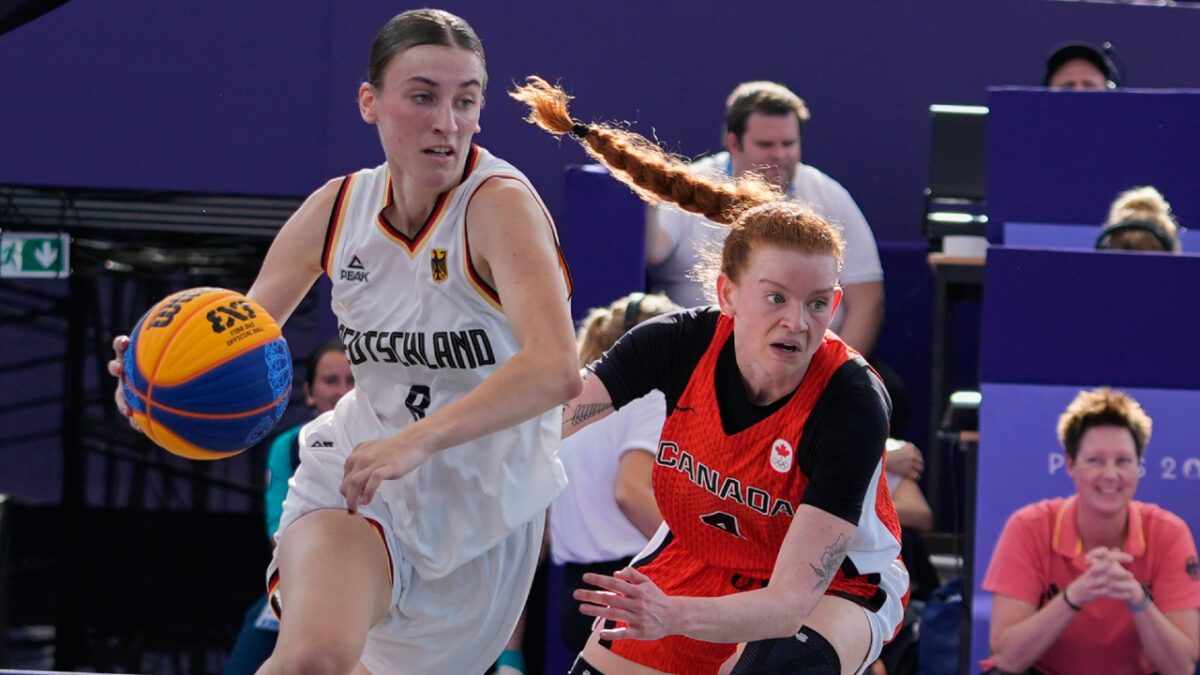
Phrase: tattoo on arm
(831, 560)
(586, 411)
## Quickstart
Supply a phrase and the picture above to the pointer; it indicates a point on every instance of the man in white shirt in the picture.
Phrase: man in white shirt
(763, 126)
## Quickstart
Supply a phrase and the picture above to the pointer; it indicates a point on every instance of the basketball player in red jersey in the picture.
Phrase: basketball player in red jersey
(780, 547)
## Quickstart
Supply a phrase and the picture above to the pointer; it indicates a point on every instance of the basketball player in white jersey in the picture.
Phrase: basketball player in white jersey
(412, 527)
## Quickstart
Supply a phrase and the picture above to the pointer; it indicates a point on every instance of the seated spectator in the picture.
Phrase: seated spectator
(1096, 582)
(607, 512)
(904, 465)
(764, 125)
(764, 133)
(1140, 220)
(1082, 67)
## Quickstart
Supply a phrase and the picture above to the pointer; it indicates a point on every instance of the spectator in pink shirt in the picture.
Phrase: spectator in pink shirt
(1096, 582)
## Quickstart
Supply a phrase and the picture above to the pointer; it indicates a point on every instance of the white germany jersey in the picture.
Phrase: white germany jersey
(421, 329)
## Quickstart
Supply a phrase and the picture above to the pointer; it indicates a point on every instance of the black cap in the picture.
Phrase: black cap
(1087, 52)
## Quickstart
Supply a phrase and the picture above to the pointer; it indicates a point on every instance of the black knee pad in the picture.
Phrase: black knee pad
(805, 653)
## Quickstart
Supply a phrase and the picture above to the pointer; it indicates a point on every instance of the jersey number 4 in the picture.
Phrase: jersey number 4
(725, 522)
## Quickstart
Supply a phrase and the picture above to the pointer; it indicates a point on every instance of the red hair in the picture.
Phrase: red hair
(754, 208)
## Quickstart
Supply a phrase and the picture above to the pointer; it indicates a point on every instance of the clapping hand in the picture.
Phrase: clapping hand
(1120, 583)
(1106, 577)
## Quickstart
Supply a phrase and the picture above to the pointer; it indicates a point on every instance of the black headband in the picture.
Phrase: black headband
(1169, 243)
(633, 308)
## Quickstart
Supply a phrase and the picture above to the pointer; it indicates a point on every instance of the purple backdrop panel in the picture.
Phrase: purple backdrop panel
(1077, 237)
(259, 97)
(1062, 156)
(1051, 235)
(216, 97)
(602, 231)
(1021, 461)
(1068, 316)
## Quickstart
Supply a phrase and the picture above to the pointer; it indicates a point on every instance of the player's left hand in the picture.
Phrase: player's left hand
(373, 462)
(631, 598)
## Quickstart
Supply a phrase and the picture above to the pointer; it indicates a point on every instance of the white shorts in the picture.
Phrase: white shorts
(885, 622)
(458, 623)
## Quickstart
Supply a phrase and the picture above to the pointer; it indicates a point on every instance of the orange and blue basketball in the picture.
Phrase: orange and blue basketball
(207, 373)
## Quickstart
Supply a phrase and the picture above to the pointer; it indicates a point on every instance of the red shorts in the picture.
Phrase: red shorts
(677, 572)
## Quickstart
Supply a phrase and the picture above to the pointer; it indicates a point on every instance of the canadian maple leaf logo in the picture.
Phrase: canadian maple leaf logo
(781, 455)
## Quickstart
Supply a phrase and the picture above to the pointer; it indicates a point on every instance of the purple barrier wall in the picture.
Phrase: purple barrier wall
(1062, 157)
(603, 239)
(1078, 237)
(258, 97)
(1045, 337)
(1053, 317)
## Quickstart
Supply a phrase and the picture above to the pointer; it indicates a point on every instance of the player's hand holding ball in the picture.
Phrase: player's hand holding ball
(205, 374)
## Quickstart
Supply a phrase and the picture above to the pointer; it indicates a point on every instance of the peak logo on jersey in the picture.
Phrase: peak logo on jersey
(1192, 567)
(437, 261)
(782, 455)
(355, 271)
(321, 444)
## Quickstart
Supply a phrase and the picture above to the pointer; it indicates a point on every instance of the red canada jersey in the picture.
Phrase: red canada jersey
(730, 499)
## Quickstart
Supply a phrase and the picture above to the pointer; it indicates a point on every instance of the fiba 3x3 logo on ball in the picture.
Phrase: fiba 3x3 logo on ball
(207, 373)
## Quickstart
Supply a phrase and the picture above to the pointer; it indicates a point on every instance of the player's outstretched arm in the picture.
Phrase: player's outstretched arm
(813, 550)
(292, 264)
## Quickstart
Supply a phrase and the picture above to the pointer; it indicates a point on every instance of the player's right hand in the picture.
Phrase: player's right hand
(116, 368)
(630, 597)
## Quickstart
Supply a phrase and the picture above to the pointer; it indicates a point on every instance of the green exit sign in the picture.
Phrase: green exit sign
(32, 254)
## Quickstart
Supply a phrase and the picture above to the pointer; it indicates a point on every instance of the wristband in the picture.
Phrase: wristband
(1068, 601)
(1146, 601)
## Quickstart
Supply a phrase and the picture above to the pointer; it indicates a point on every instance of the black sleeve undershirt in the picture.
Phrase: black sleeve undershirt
(843, 441)
(844, 436)
(657, 354)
